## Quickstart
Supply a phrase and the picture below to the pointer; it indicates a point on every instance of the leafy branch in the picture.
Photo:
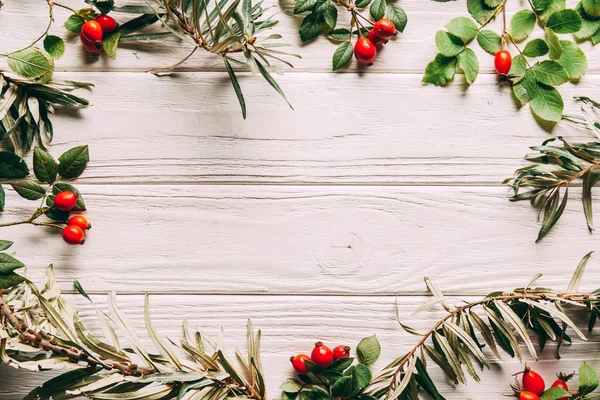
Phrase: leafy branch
(39, 331)
(533, 83)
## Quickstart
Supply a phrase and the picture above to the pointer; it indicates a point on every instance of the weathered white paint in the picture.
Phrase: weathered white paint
(307, 221)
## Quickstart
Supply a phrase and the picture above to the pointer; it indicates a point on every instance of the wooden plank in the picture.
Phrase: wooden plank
(23, 21)
(290, 324)
(305, 239)
(144, 129)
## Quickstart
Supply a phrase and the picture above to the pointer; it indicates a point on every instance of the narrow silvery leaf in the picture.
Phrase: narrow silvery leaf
(435, 291)
(468, 341)
(510, 316)
(504, 329)
(556, 314)
(450, 356)
(578, 274)
(408, 372)
(485, 332)
(162, 347)
(146, 393)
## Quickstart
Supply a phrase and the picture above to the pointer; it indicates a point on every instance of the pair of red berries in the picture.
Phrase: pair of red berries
(365, 49)
(321, 355)
(76, 225)
(502, 62)
(93, 31)
(534, 385)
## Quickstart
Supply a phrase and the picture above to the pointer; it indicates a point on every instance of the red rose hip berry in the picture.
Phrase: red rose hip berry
(365, 51)
(561, 384)
(533, 382)
(341, 352)
(376, 40)
(80, 221)
(73, 234)
(89, 46)
(384, 28)
(502, 62)
(107, 23)
(65, 201)
(528, 396)
(92, 31)
(322, 355)
(298, 363)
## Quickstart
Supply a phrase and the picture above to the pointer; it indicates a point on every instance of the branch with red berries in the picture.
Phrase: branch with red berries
(540, 64)
(533, 386)
(58, 198)
(321, 16)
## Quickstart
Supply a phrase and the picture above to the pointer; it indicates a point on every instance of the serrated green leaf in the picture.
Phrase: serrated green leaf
(396, 14)
(342, 55)
(9, 280)
(489, 41)
(12, 166)
(5, 244)
(342, 387)
(301, 6)
(29, 190)
(32, 63)
(440, 71)
(480, 11)
(45, 167)
(573, 59)
(589, 24)
(312, 26)
(330, 14)
(546, 102)
(554, 393)
(8, 264)
(362, 3)
(368, 350)
(377, 9)
(110, 44)
(522, 24)
(73, 24)
(468, 62)
(550, 73)
(535, 48)
(591, 7)
(361, 377)
(448, 44)
(554, 47)
(463, 28)
(341, 34)
(588, 379)
(291, 386)
(64, 187)
(72, 163)
(54, 46)
(564, 21)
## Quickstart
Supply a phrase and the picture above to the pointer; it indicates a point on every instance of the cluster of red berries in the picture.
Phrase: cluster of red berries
(534, 385)
(503, 62)
(366, 48)
(93, 31)
(77, 224)
(321, 355)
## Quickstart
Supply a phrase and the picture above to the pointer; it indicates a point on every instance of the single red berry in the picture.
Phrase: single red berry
(89, 46)
(92, 31)
(80, 221)
(503, 61)
(561, 384)
(73, 234)
(322, 355)
(528, 396)
(341, 352)
(65, 201)
(533, 382)
(365, 51)
(298, 363)
(376, 40)
(384, 28)
(107, 23)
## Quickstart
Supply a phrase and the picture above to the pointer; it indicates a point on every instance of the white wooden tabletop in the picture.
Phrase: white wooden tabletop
(311, 221)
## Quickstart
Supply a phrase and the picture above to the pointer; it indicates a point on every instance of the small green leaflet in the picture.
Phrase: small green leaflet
(480, 11)
(72, 163)
(312, 26)
(489, 41)
(29, 190)
(588, 379)
(554, 47)
(54, 46)
(377, 9)
(330, 15)
(368, 350)
(32, 63)
(342, 55)
(545, 102)
(448, 44)
(45, 167)
(535, 48)
(12, 166)
(467, 61)
(591, 7)
(463, 28)
(550, 72)
(340, 34)
(396, 14)
(301, 6)
(110, 44)
(73, 24)
(554, 393)
(522, 24)
(8, 264)
(5, 245)
(440, 71)
(564, 21)
(573, 59)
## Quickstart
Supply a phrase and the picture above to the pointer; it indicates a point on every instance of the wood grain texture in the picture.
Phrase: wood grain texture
(409, 53)
(291, 324)
(298, 239)
(189, 128)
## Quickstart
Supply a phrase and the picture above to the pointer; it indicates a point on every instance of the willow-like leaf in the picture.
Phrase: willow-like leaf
(578, 274)
(504, 330)
(510, 316)
(485, 332)
(468, 341)
(160, 345)
(450, 356)
(556, 314)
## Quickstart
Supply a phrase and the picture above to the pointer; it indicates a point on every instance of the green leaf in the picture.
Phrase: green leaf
(57, 215)
(361, 377)
(341, 34)
(54, 46)
(440, 71)
(32, 63)
(468, 62)
(518, 66)
(448, 44)
(64, 187)
(110, 44)
(489, 41)
(342, 55)
(550, 73)
(312, 26)
(72, 163)
(377, 9)
(321, 6)
(291, 386)
(554, 47)
(463, 28)
(546, 102)
(396, 14)
(368, 350)
(535, 48)
(591, 7)
(573, 60)
(541, 5)
(8, 264)
(44, 166)
(2, 198)
(480, 11)
(29, 190)
(522, 24)
(9, 280)
(588, 379)
(12, 166)
(236, 87)
(564, 21)
(330, 14)
(342, 387)
(554, 393)
(73, 24)
(362, 3)
(301, 6)
(5, 244)
(589, 24)
(271, 81)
